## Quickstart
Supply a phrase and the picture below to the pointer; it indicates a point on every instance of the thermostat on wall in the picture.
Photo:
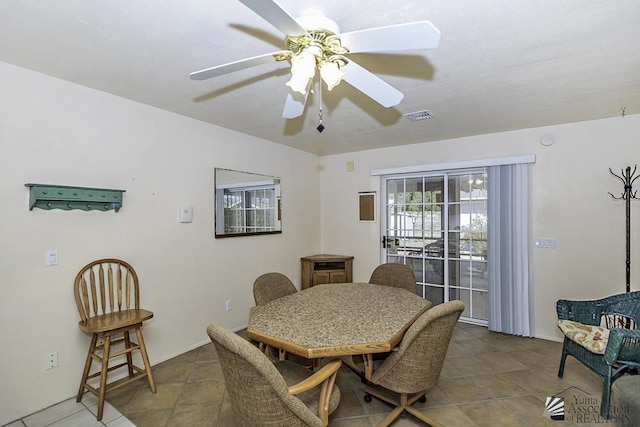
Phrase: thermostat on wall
(186, 213)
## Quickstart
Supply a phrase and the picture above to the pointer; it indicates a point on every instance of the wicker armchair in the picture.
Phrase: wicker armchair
(395, 275)
(266, 394)
(415, 367)
(619, 315)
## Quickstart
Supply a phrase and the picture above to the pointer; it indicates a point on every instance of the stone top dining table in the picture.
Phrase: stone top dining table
(336, 320)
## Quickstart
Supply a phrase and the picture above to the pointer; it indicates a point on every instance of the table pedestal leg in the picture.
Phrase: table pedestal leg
(365, 374)
(368, 365)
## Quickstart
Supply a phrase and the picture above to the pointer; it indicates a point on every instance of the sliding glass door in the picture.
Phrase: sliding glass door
(437, 224)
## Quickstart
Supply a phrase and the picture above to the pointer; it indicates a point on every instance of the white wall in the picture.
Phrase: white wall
(55, 132)
(570, 182)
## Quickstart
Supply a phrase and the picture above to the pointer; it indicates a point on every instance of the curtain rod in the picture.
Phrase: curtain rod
(464, 164)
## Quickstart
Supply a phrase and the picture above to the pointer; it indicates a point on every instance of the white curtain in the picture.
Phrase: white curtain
(510, 300)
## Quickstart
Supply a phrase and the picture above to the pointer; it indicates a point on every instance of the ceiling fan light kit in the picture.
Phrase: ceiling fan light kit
(305, 63)
(331, 74)
(303, 68)
(313, 42)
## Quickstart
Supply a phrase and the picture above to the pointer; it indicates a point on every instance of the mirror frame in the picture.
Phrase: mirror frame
(230, 178)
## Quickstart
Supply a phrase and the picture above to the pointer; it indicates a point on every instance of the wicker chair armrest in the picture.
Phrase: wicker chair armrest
(326, 377)
(585, 312)
(317, 378)
(624, 344)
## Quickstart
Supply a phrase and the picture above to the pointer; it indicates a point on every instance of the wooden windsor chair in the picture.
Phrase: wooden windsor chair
(107, 294)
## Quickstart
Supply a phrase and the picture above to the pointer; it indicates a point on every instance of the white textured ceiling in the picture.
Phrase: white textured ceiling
(501, 64)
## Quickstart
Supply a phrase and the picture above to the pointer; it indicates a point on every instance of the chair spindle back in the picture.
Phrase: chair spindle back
(97, 293)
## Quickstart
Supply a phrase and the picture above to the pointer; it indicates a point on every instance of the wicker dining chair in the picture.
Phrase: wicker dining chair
(268, 287)
(107, 295)
(415, 367)
(262, 393)
(395, 275)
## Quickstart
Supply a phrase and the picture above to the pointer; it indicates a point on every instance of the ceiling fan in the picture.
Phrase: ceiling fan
(313, 41)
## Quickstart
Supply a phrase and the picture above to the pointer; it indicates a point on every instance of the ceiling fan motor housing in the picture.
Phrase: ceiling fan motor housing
(315, 20)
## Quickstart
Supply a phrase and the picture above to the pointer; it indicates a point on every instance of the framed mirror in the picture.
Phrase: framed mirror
(246, 203)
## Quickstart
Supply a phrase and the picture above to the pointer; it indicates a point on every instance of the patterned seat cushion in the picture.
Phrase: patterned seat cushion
(593, 338)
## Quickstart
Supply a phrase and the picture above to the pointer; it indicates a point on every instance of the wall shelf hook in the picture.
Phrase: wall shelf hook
(48, 196)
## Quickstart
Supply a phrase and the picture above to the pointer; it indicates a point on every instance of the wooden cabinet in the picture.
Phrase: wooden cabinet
(323, 269)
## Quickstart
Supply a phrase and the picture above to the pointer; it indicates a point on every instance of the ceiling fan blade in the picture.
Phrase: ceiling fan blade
(412, 35)
(274, 14)
(294, 104)
(230, 67)
(371, 85)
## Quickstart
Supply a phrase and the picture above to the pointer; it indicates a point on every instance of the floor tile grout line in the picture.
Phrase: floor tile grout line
(497, 344)
(184, 383)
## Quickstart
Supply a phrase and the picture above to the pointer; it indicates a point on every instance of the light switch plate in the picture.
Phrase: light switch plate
(52, 257)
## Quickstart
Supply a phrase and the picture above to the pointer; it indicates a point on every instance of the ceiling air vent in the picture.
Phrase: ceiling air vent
(418, 115)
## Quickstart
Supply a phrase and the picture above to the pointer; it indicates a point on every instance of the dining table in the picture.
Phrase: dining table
(337, 320)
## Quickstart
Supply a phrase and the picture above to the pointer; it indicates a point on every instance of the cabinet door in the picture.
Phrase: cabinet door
(338, 277)
(321, 277)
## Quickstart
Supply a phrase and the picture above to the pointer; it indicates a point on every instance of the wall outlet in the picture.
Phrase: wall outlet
(51, 360)
(546, 242)
(228, 305)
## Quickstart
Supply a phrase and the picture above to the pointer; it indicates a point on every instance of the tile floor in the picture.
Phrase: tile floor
(488, 379)
(69, 413)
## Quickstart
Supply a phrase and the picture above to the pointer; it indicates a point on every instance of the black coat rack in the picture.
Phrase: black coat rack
(627, 177)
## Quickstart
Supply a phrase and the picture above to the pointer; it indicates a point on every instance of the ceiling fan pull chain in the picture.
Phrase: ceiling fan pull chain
(320, 127)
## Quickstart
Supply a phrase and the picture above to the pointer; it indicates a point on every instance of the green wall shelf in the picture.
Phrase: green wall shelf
(47, 196)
